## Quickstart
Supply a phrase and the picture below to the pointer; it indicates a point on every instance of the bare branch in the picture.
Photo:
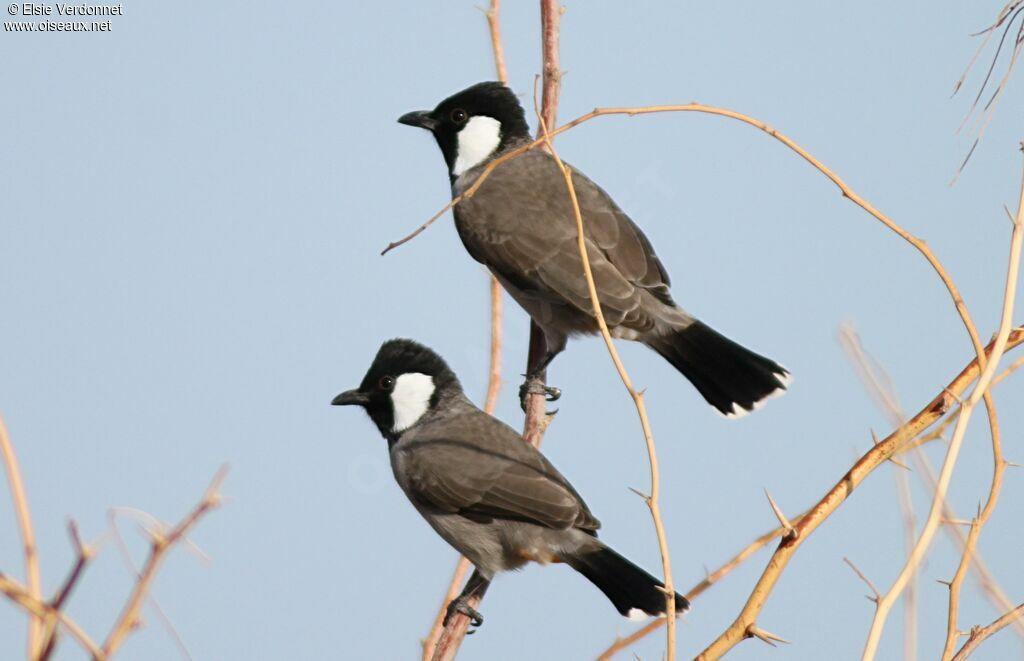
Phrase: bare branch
(21, 596)
(160, 544)
(28, 538)
(979, 634)
(82, 556)
(866, 580)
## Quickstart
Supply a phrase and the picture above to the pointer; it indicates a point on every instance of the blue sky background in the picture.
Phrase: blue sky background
(193, 210)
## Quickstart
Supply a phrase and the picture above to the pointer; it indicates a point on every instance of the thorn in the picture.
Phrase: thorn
(1012, 464)
(790, 531)
(955, 397)
(874, 439)
(958, 522)
(768, 637)
(948, 584)
(707, 573)
(641, 494)
(860, 574)
(1013, 221)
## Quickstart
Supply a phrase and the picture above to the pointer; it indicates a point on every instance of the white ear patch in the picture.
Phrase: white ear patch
(410, 399)
(477, 140)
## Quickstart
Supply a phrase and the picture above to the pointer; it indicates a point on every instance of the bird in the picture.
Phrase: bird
(492, 496)
(520, 224)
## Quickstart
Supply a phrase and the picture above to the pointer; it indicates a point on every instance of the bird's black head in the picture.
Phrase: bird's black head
(405, 381)
(473, 126)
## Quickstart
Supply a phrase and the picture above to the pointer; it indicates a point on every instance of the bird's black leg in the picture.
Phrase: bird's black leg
(534, 383)
(475, 588)
(540, 356)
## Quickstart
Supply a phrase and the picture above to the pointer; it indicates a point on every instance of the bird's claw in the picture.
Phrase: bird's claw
(460, 606)
(534, 386)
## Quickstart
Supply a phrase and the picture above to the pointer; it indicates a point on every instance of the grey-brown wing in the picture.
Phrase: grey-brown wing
(470, 473)
(521, 224)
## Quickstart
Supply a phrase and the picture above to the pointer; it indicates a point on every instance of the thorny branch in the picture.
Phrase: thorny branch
(835, 497)
(881, 388)
(949, 463)
(979, 634)
(696, 591)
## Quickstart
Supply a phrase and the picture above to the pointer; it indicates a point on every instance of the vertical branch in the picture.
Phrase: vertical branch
(493, 15)
(638, 400)
(28, 538)
(952, 452)
(550, 12)
(537, 419)
(494, 380)
(432, 644)
(550, 16)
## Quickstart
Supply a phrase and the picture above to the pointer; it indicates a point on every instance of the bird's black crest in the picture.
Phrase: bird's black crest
(401, 356)
(492, 99)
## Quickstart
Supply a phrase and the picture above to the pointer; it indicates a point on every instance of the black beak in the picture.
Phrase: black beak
(350, 397)
(419, 118)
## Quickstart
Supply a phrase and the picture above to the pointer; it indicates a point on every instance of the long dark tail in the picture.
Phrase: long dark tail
(731, 378)
(633, 591)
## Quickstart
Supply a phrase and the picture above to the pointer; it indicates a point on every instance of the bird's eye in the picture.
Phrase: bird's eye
(386, 383)
(459, 115)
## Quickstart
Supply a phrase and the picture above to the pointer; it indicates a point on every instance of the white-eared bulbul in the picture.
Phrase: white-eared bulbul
(488, 493)
(521, 225)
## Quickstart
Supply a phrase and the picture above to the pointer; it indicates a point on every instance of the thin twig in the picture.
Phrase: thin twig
(638, 401)
(846, 191)
(979, 634)
(160, 544)
(952, 452)
(83, 554)
(867, 581)
(28, 538)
